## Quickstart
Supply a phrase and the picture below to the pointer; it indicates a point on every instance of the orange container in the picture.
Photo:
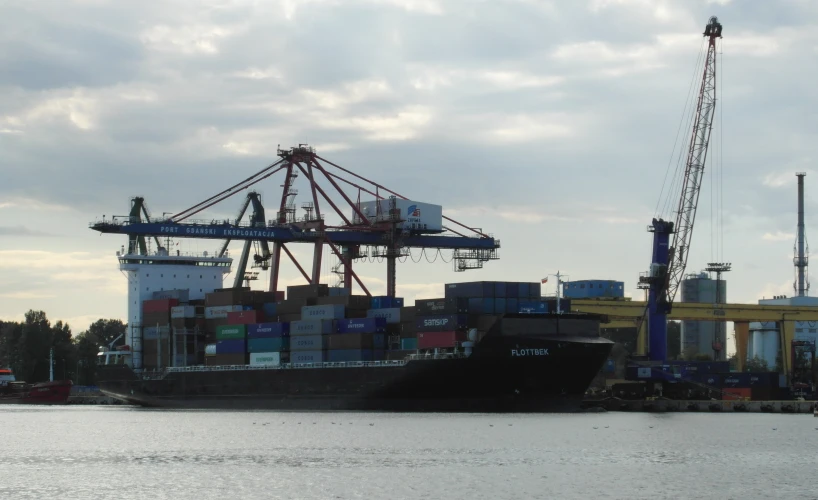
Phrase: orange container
(736, 393)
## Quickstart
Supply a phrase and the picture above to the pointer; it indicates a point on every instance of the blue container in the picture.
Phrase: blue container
(361, 325)
(532, 307)
(470, 289)
(339, 292)
(408, 344)
(270, 344)
(736, 379)
(386, 302)
(535, 290)
(512, 290)
(378, 354)
(499, 305)
(709, 379)
(512, 306)
(233, 346)
(270, 309)
(345, 355)
(499, 289)
(610, 366)
(480, 305)
(523, 290)
(442, 323)
(764, 379)
(379, 341)
(268, 330)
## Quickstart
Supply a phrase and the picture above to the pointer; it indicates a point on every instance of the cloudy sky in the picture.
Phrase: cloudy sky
(548, 124)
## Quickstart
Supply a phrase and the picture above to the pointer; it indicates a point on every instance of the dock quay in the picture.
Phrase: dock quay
(660, 405)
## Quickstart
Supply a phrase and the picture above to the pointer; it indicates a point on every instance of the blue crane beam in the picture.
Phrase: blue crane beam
(287, 235)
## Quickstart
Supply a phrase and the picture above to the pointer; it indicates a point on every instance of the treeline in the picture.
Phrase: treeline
(25, 347)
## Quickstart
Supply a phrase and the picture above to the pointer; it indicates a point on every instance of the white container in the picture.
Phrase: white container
(415, 215)
(265, 358)
(217, 312)
(182, 312)
(210, 350)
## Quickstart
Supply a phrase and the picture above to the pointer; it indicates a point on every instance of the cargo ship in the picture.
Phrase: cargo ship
(13, 391)
(482, 346)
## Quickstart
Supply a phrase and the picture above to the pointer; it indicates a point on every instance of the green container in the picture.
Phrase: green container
(275, 344)
(230, 332)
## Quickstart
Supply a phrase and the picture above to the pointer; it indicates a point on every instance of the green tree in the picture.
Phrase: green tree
(101, 333)
(756, 365)
(33, 348)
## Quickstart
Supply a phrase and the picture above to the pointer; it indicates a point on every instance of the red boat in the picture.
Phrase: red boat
(44, 393)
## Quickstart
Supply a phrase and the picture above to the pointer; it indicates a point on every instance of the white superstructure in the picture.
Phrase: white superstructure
(200, 274)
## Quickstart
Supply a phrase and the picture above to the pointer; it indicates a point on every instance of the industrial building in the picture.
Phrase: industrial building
(704, 337)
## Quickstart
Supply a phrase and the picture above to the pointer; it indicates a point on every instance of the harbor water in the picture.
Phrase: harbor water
(131, 453)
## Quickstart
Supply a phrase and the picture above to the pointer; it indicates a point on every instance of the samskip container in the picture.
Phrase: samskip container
(441, 323)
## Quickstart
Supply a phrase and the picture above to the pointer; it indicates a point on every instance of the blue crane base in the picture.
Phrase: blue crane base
(658, 306)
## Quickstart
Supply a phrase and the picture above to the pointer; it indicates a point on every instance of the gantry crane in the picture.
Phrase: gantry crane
(668, 262)
(381, 235)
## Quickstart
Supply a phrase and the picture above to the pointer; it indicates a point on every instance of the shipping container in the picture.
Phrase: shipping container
(183, 312)
(307, 342)
(307, 291)
(348, 355)
(156, 319)
(264, 330)
(764, 379)
(186, 323)
(441, 322)
(453, 305)
(500, 289)
(480, 305)
(265, 359)
(391, 315)
(610, 366)
(153, 333)
(244, 317)
(352, 341)
(360, 325)
(335, 291)
(432, 340)
(512, 306)
(230, 332)
(159, 305)
(409, 344)
(532, 307)
(736, 379)
(268, 344)
(349, 301)
(226, 359)
(513, 291)
(312, 327)
(299, 357)
(413, 215)
(535, 290)
(232, 346)
(220, 312)
(523, 290)
(710, 379)
(736, 393)
(765, 393)
(270, 309)
(500, 305)
(471, 289)
(385, 302)
(229, 296)
(182, 295)
(329, 311)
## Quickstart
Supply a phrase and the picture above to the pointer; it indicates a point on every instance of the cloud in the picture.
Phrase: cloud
(20, 231)
(778, 236)
(26, 295)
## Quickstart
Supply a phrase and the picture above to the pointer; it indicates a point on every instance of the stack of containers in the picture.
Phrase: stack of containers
(357, 339)
(231, 346)
(268, 344)
(308, 336)
(156, 317)
(440, 323)
(187, 324)
(221, 302)
(498, 297)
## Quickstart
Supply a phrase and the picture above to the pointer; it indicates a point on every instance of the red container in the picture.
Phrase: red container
(431, 340)
(244, 317)
(736, 393)
(159, 305)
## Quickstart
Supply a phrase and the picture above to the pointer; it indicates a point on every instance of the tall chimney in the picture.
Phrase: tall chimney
(801, 284)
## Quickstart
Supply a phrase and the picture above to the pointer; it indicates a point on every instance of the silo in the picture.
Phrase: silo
(698, 336)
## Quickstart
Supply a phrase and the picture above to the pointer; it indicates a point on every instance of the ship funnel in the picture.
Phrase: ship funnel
(801, 285)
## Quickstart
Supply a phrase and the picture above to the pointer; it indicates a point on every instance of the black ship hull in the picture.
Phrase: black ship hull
(504, 373)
